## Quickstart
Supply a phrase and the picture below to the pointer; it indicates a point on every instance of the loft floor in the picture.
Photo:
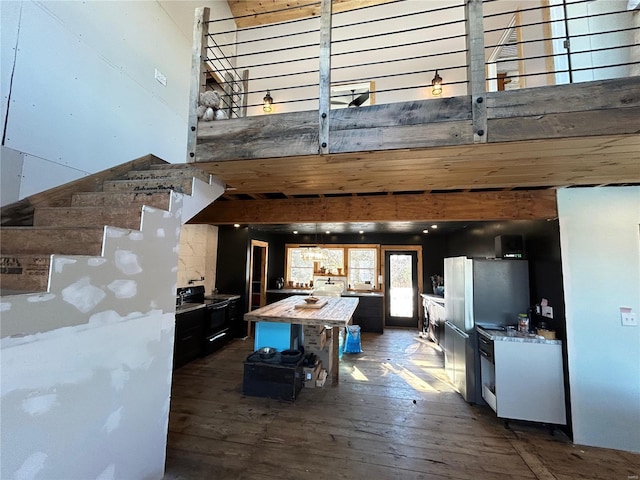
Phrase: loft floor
(393, 416)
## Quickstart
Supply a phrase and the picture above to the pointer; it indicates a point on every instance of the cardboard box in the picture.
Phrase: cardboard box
(315, 337)
(311, 374)
(322, 378)
(325, 355)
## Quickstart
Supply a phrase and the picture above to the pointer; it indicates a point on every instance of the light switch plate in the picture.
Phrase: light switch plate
(547, 311)
(629, 319)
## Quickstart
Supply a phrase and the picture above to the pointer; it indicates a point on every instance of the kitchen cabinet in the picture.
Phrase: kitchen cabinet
(522, 377)
(434, 317)
(189, 336)
(369, 314)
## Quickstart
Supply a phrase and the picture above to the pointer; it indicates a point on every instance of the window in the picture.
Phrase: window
(335, 261)
(299, 270)
(362, 265)
(358, 264)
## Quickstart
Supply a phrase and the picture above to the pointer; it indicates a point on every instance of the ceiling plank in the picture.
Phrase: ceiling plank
(466, 206)
(251, 13)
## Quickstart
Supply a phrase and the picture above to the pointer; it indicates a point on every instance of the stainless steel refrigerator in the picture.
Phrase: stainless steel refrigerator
(486, 292)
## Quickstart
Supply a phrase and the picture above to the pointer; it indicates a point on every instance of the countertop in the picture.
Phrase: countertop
(337, 312)
(222, 296)
(431, 296)
(190, 306)
(501, 336)
(309, 291)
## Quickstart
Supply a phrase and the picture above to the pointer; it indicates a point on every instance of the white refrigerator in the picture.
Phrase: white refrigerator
(487, 292)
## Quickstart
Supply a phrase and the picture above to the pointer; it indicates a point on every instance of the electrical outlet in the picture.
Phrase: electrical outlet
(629, 319)
(160, 77)
(547, 311)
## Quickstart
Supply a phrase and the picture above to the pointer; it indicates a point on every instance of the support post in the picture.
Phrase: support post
(324, 83)
(197, 80)
(245, 89)
(476, 69)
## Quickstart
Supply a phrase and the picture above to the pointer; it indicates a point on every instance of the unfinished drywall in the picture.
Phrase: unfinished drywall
(600, 242)
(86, 367)
(79, 88)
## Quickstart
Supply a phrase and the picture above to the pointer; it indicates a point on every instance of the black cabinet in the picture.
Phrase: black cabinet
(369, 314)
(273, 297)
(280, 381)
(189, 337)
(237, 327)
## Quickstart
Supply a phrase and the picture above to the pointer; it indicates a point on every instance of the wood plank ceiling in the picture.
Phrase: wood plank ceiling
(250, 13)
(505, 181)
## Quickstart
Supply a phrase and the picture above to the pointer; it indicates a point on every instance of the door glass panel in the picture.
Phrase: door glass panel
(400, 286)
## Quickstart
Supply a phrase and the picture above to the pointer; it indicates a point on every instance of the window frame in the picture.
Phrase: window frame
(345, 248)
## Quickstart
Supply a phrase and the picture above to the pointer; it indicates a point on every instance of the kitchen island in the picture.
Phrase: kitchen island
(337, 312)
(370, 312)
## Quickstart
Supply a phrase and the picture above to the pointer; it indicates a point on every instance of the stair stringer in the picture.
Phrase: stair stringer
(87, 366)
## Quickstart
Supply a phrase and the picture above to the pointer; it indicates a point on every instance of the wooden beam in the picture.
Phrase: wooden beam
(196, 80)
(511, 205)
(563, 125)
(613, 94)
(324, 82)
(476, 68)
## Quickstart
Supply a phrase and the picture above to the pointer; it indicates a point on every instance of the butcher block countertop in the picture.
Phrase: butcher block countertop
(336, 313)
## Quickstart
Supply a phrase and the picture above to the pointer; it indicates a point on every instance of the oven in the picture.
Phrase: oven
(216, 330)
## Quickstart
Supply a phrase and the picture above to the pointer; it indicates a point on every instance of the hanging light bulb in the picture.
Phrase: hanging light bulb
(436, 84)
(315, 253)
(267, 103)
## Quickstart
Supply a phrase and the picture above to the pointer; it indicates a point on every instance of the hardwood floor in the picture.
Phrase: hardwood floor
(394, 415)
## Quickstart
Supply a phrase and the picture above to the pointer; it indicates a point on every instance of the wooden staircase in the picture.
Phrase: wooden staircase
(70, 219)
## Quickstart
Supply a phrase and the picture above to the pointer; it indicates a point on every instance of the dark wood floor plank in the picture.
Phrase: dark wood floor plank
(394, 415)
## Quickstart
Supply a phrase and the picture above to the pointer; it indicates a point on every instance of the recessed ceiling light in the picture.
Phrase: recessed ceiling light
(434, 226)
(295, 232)
(237, 225)
(328, 232)
(361, 232)
(425, 231)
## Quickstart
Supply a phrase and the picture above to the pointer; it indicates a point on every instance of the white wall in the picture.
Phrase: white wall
(78, 80)
(600, 241)
(592, 22)
(345, 26)
(198, 248)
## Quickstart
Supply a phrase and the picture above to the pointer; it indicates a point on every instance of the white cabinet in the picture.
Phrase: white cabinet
(524, 380)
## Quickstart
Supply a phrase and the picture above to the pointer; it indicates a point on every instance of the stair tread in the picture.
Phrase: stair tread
(180, 185)
(44, 241)
(89, 216)
(168, 173)
(158, 199)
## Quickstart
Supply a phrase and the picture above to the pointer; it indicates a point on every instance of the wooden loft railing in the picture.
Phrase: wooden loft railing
(501, 50)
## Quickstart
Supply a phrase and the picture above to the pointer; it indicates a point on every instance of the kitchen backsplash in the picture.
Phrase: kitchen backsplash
(197, 257)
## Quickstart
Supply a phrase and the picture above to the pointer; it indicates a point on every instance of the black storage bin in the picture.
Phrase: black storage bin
(272, 380)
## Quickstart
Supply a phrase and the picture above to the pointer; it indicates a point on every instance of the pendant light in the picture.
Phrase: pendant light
(267, 103)
(315, 253)
(436, 84)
